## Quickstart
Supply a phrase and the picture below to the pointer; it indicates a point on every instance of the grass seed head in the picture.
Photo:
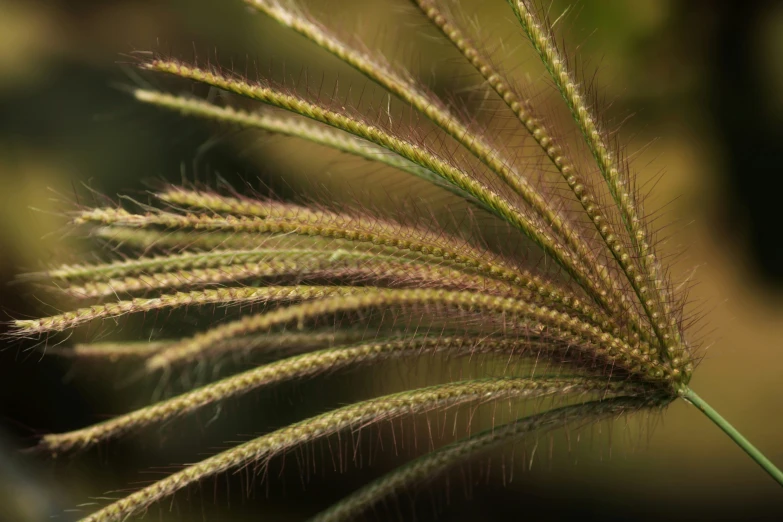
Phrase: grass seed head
(319, 278)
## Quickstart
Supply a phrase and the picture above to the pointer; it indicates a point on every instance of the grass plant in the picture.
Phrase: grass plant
(608, 322)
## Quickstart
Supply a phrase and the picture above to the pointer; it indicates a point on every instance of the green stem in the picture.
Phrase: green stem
(691, 396)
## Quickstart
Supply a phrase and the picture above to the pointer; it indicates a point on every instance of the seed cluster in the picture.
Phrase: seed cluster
(318, 279)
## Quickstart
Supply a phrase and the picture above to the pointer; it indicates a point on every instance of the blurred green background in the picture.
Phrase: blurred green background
(703, 82)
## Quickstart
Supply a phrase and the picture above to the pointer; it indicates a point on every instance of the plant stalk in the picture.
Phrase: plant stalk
(691, 396)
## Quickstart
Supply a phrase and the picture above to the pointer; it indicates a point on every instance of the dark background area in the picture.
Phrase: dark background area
(704, 79)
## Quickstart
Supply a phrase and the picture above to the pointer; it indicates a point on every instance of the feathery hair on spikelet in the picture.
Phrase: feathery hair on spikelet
(295, 127)
(354, 416)
(275, 344)
(649, 284)
(573, 263)
(273, 218)
(518, 313)
(429, 466)
(111, 351)
(225, 296)
(307, 264)
(317, 289)
(297, 367)
(536, 126)
(407, 89)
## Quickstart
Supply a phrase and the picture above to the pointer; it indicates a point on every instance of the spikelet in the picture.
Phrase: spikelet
(355, 415)
(429, 466)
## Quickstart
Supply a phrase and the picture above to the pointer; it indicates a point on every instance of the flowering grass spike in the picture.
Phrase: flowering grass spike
(327, 289)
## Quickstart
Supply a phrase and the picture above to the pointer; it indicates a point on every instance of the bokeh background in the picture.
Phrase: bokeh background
(703, 84)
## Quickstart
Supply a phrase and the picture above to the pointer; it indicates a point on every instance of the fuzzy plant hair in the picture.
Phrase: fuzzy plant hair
(320, 288)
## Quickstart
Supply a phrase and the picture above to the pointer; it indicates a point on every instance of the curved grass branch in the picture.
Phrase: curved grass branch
(272, 343)
(356, 232)
(297, 367)
(168, 241)
(109, 351)
(295, 127)
(298, 270)
(429, 466)
(409, 91)
(500, 206)
(224, 296)
(536, 320)
(171, 263)
(536, 127)
(421, 243)
(650, 285)
(541, 318)
(259, 218)
(297, 264)
(355, 417)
